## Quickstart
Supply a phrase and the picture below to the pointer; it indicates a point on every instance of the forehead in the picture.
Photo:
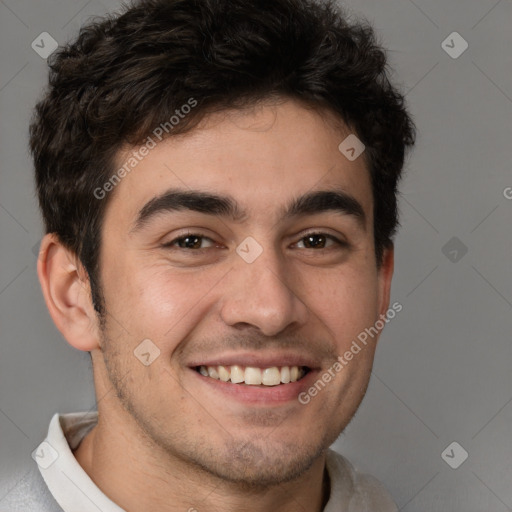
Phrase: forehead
(263, 157)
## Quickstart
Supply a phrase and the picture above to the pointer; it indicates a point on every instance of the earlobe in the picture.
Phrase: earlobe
(66, 291)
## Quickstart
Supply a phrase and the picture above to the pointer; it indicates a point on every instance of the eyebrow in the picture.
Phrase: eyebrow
(327, 200)
(225, 206)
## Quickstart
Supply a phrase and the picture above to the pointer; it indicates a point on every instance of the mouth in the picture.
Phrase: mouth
(255, 379)
(254, 376)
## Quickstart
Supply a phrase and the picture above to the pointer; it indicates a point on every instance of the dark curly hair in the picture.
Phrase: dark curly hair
(125, 75)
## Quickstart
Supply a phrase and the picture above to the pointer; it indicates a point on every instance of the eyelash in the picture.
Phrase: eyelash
(170, 245)
(340, 243)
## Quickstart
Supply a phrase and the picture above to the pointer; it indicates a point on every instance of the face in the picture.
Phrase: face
(246, 243)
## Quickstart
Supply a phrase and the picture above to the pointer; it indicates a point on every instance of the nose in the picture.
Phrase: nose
(260, 294)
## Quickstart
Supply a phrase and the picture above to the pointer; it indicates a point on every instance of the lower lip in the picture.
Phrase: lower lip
(253, 394)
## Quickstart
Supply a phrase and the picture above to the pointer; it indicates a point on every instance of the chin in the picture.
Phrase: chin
(255, 466)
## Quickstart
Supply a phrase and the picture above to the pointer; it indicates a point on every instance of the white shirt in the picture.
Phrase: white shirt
(66, 487)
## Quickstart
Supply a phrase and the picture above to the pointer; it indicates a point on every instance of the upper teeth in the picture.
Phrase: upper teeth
(254, 376)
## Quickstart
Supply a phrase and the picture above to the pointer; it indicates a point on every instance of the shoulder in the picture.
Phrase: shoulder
(28, 494)
(354, 491)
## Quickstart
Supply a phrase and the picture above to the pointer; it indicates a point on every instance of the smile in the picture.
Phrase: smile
(253, 376)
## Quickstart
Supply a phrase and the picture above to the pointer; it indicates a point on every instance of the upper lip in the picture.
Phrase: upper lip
(258, 360)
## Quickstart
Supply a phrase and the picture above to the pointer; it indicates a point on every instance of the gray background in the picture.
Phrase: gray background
(442, 371)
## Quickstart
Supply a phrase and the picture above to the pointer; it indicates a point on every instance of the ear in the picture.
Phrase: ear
(385, 274)
(66, 289)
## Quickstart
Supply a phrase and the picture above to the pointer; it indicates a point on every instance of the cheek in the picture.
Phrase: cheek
(345, 301)
(159, 303)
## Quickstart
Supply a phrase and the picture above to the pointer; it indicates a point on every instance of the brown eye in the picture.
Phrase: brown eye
(315, 241)
(190, 241)
(318, 241)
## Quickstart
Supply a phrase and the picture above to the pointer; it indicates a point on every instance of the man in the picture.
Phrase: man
(218, 182)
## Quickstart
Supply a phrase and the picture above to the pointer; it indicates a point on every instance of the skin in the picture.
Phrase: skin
(165, 441)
